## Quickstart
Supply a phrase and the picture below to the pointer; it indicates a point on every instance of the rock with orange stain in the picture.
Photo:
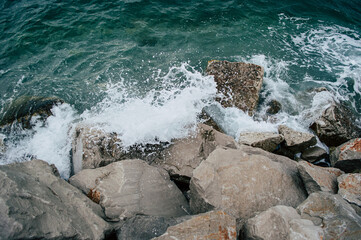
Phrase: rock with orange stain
(215, 225)
(347, 157)
(349, 187)
(318, 178)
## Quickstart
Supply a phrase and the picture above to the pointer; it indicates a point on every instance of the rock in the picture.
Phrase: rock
(336, 126)
(337, 218)
(318, 178)
(239, 82)
(314, 154)
(184, 155)
(280, 222)
(349, 187)
(274, 107)
(2, 143)
(208, 120)
(347, 157)
(37, 204)
(210, 225)
(245, 181)
(268, 141)
(296, 141)
(131, 187)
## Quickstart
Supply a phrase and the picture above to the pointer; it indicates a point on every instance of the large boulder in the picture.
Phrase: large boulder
(240, 83)
(131, 187)
(349, 187)
(296, 141)
(347, 157)
(318, 178)
(184, 155)
(314, 154)
(268, 141)
(245, 181)
(281, 223)
(36, 204)
(336, 126)
(330, 211)
(210, 225)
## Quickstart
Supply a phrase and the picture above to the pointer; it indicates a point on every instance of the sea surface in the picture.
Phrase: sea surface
(137, 68)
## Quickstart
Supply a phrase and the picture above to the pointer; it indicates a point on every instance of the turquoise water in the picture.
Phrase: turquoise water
(137, 67)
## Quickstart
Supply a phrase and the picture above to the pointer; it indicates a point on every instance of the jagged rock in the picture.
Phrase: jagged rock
(208, 120)
(184, 155)
(244, 181)
(318, 178)
(330, 211)
(296, 141)
(131, 187)
(282, 223)
(274, 107)
(314, 154)
(268, 141)
(239, 82)
(347, 157)
(336, 126)
(210, 225)
(349, 187)
(37, 204)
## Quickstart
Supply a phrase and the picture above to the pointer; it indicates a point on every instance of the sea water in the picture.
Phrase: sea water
(137, 68)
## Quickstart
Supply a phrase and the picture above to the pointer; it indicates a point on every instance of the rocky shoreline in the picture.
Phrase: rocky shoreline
(207, 186)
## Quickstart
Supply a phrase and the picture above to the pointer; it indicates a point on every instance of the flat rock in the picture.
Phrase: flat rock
(318, 178)
(330, 211)
(210, 225)
(296, 141)
(268, 141)
(37, 204)
(282, 223)
(245, 181)
(349, 187)
(131, 187)
(314, 154)
(347, 157)
(239, 82)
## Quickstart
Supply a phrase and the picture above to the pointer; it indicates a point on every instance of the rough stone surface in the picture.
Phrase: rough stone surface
(210, 225)
(336, 126)
(184, 155)
(244, 181)
(268, 141)
(274, 107)
(131, 187)
(348, 156)
(314, 154)
(330, 211)
(318, 178)
(296, 141)
(37, 204)
(349, 187)
(281, 223)
(239, 82)
(2, 143)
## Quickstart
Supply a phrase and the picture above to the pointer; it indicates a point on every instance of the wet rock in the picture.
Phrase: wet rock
(131, 187)
(336, 126)
(281, 222)
(210, 225)
(245, 181)
(268, 141)
(184, 155)
(37, 204)
(296, 141)
(349, 187)
(330, 211)
(274, 107)
(347, 157)
(207, 120)
(239, 82)
(318, 178)
(2, 143)
(314, 154)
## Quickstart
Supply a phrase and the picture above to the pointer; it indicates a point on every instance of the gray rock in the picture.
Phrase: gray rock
(330, 211)
(318, 178)
(349, 187)
(131, 187)
(268, 141)
(347, 157)
(296, 141)
(274, 107)
(37, 204)
(210, 225)
(314, 154)
(336, 126)
(281, 223)
(239, 82)
(245, 181)
(2, 143)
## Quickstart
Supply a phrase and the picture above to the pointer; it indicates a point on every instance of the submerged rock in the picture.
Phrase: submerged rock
(274, 107)
(268, 141)
(296, 141)
(36, 204)
(347, 157)
(240, 83)
(349, 187)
